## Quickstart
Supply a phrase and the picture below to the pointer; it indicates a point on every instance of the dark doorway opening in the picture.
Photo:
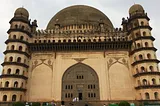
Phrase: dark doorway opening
(80, 96)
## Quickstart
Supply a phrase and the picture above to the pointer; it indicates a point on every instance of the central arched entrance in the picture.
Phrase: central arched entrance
(80, 81)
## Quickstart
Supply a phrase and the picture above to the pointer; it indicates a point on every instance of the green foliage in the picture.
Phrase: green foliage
(36, 104)
(124, 103)
(18, 104)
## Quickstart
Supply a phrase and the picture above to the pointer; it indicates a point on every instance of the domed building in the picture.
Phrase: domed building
(80, 59)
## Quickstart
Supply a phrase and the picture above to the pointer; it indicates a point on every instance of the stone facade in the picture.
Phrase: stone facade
(80, 54)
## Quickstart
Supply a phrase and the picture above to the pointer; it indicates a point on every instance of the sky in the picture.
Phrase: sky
(44, 10)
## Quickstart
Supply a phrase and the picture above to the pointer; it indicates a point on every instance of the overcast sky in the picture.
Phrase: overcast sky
(44, 10)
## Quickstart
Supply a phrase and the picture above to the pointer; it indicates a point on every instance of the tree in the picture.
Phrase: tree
(36, 104)
(18, 104)
(124, 103)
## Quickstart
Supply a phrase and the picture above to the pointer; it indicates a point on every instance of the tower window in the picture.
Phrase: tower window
(16, 84)
(20, 48)
(12, 47)
(14, 36)
(9, 71)
(140, 57)
(142, 69)
(142, 23)
(17, 71)
(153, 81)
(16, 26)
(22, 27)
(156, 95)
(144, 33)
(144, 82)
(21, 38)
(138, 45)
(6, 84)
(18, 59)
(151, 68)
(14, 98)
(149, 56)
(4, 97)
(146, 44)
(147, 97)
(22, 85)
(10, 59)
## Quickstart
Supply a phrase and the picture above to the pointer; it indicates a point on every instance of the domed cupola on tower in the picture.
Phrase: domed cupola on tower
(136, 9)
(21, 13)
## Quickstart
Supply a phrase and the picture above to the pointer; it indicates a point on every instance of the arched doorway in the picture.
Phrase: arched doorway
(80, 81)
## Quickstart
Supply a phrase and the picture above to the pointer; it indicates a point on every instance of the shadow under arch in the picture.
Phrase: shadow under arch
(80, 80)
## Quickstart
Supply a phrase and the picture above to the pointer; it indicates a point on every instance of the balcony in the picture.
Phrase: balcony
(144, 61)
(17, 51)
(16, 40)
(12, 89)
(146, 73)
(15, 63)
(13, 76)
(147, 87)
(142, 48)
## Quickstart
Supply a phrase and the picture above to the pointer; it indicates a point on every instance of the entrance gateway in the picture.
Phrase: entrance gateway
(80, 81)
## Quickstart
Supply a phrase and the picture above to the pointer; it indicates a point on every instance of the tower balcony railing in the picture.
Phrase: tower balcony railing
(154, 86)
(13, 76)
(145, 61)
(12, 89)
(141, 49)
(16, 40)
(19, 30)
(17, 51)
(15, 63)
(146, 73)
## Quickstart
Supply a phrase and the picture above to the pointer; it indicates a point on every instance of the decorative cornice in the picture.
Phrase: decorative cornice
(15, 63)
(12, 89)
(16, 51)
(13, 76)
(142, 49)
(146, 73)
(144, 61)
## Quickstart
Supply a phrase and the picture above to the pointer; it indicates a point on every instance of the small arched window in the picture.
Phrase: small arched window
(20, 48)
(10, 59)
(156, 95)
(138, 45)
(14, 98)
(146, 44)
(151, 68)
(14, 36)
(17, 71)
(149, 56)
(20, 97)
(4, 97)
(22, 27)
(142, 23)
(140, 57)
(144, 33)
(153, 81)
(21, 38)
(142, 69)
(18, 59)
(16, 84)
(144, 82)
(12, 47)
(147, 97)
(22, 85)
(16, 26)
(6, 84)
(9, 71)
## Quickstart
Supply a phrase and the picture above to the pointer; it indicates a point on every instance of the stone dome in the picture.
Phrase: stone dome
(79, 14)
(21, 12)
(136, 8)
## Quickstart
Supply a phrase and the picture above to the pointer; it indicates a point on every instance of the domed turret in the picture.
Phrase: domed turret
(21, 12)
(136, 9)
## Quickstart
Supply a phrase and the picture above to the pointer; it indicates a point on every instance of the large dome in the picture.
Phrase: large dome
(79, 14)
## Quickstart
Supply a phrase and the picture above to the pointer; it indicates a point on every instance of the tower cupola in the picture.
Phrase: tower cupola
(136, 9)
(21, 13)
